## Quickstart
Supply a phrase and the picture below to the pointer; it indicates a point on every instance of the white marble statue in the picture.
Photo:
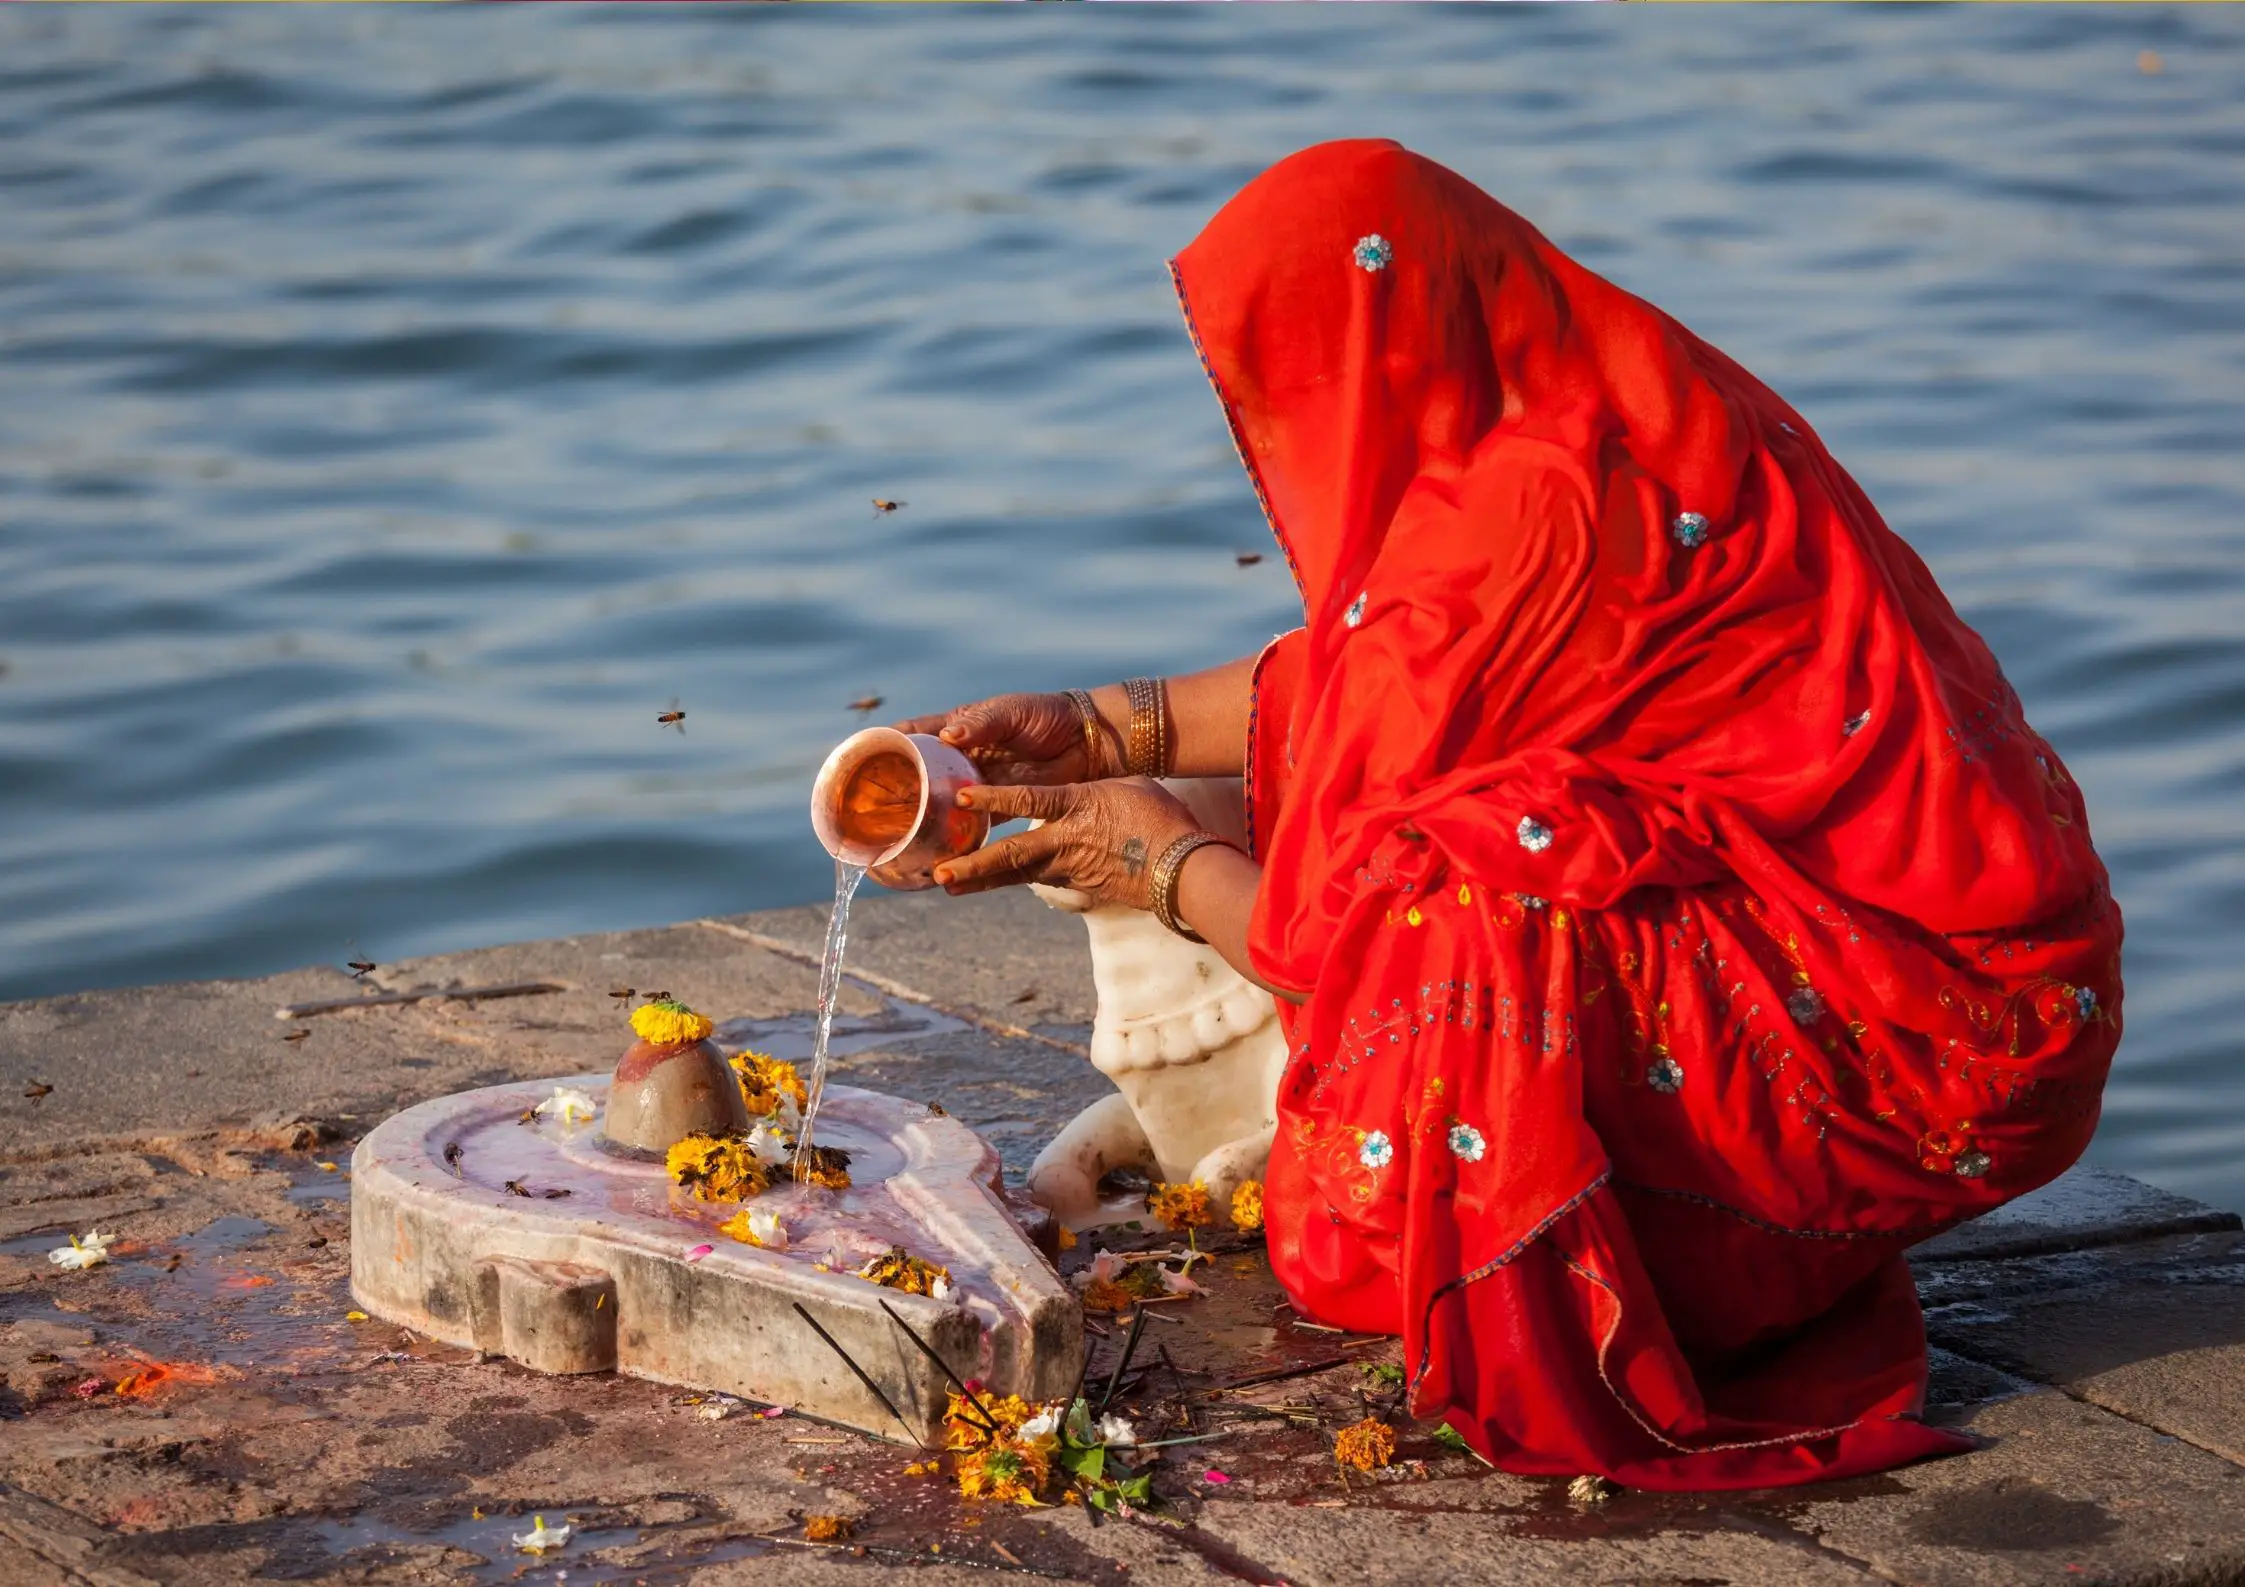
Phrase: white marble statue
(1194, 1050)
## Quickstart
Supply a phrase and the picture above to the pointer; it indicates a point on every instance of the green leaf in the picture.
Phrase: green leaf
(1138, 1489)
(1388, 1373)
(1450, 1438)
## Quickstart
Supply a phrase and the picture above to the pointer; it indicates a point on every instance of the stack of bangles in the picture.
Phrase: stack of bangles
(1169, 865)
(1149, 747)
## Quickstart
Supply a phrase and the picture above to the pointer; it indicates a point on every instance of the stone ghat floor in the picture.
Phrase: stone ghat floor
(2092, 1337)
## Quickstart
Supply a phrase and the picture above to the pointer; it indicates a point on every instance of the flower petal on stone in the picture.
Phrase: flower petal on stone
(570, 1105)
(696, 1253)
(1215, 1476)
(1179, 1284)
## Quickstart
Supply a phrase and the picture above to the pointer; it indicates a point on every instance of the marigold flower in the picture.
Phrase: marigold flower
(828, 1166)
(897, 1268)
(716, 1168)
(965, 1428)
(756, 1226)
(826, 1528)
(1365, 1445)
(670, 1024)
(1247, 1205)
(1067, 1238)
(1180, 1206)
(1004, 1470)
(772, 1089)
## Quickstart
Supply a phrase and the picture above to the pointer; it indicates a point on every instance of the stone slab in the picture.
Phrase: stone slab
(2059, 1491)
(2082, 1207)
(534, 1241)
(2167, 1354)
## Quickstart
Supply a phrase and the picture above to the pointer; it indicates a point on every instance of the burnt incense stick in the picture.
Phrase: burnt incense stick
(1122, 1363)
(989, 1422)
(872, 1387)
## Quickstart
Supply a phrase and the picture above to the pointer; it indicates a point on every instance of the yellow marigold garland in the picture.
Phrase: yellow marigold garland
(1180, 1206)
(670, 1024)
(963, 1424)
(1247, 1205)
(1004, 1469)
(1365, 1444)
(715, 1168)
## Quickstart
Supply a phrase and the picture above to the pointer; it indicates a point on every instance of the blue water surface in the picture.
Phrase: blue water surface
(400, 406)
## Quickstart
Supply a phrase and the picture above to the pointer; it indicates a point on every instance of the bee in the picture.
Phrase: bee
(1248, 559)
(1029, 996)
(554, 1195)
(674, 717)
(297, 1035)
(37, 1089)
(360, 968)
(866, 704)
(514, 1188)
(527, 1116)
(452, 1157)
(936, 1108)
(622, 994)
(658, 997)
(883, 508)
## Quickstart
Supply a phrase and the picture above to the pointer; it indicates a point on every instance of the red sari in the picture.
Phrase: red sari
(1689, 921)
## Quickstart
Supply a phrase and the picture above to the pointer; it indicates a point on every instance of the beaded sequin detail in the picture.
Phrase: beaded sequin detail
(1855, 724)
(1372, 252)
(2085, 1001)
(1665, 1075)
(1355, 614)
(1534, 836)
(1805, 1005)
(1466, 1143)
(1377, 1151)
(1689, 529)
(1972, 1164)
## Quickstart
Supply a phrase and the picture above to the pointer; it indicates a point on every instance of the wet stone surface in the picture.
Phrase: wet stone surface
(204, 1409)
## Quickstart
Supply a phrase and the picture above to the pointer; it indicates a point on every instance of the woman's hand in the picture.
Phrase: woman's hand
(1099, 838)
(1015, 740)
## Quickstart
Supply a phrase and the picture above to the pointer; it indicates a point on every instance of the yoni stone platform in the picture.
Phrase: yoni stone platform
(627, 1272)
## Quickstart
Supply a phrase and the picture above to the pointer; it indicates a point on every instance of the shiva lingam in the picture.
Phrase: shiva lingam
(575, 1226)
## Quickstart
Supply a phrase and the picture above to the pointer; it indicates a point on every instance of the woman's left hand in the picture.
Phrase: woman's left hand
(1100, 838)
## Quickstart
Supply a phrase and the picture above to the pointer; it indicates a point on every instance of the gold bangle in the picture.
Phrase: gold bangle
(1146, 747)
(1161, 882)
(1095, 735)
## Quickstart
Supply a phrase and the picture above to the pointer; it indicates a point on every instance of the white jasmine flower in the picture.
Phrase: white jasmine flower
(569, 1105)
(1179, 1284)
(79, 1254)
(769, 1146)
(1117, 1431)
(942, 1290)
(1045, 1424)
(765, 1225)
(541, 1537)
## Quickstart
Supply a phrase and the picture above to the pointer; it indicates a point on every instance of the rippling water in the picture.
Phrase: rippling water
(399, 407)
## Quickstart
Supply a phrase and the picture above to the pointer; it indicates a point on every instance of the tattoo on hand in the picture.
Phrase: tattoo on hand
(1134, 856)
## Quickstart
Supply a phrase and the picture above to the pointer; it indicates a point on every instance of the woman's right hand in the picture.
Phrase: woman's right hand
(1015, 739)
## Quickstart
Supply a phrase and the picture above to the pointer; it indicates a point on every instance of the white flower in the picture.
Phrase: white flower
(768, 1146)
(769, 1232)
(942, 1290)
(1045, 1424)
(1467, 1143)
(542, 1537)
(1107, 1266)
(1179, 1284)
(1117, 1430)
(79, 1254)
(789, 1113)
(1376, 1151)
(569, 1105)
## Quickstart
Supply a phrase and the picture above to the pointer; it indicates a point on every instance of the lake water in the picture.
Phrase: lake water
(400, 407)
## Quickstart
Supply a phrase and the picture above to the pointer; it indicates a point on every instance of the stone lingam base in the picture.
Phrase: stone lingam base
(531, 1238)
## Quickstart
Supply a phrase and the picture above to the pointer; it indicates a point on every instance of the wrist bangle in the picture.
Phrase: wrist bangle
(1147, 751)
(1095, 735)
(1162, 881)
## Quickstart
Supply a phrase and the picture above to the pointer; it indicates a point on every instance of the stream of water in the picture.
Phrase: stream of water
(846, 879)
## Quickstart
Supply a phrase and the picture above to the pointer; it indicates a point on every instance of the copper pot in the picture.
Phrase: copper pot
(889, 801)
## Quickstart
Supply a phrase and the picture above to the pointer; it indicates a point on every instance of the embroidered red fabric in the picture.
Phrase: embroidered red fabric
(1689, 920)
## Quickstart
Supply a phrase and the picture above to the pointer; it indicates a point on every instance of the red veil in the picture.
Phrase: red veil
(1688, 918)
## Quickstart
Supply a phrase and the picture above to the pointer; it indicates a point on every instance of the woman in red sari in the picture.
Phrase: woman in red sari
(1673, 916)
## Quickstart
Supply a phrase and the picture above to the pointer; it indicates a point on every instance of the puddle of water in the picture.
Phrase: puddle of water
(576, 1564)
(792, 1037)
